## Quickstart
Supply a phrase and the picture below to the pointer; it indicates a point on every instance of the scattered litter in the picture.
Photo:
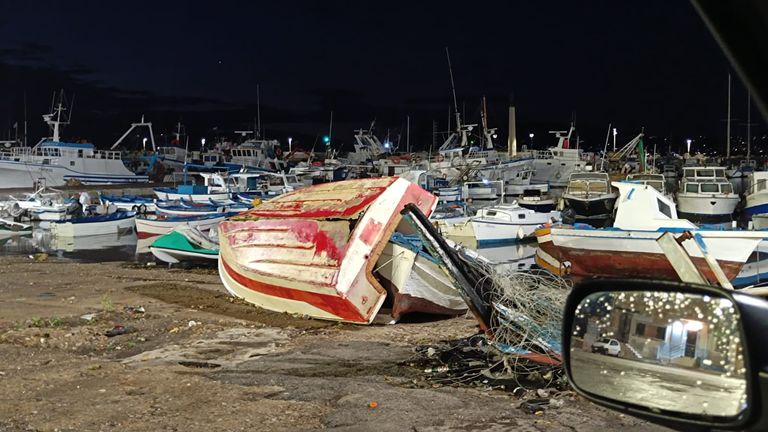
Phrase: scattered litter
(193, 323)
(89, 316)
(39, 257)
(534, 406)
(119, 330)
(373, 404)
(134, 309)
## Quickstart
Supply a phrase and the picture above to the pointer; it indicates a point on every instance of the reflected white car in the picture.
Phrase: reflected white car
(607, 346)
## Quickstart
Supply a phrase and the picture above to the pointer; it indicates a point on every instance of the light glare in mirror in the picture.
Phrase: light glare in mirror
(671, 351)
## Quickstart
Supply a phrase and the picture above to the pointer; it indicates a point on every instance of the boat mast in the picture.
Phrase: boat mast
(453, 91)
(408, 133)
(749, 122)
(605, 147)
(258, 112)
(728, 122)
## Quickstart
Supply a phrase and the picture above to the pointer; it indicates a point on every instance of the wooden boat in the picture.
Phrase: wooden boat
(314, 251)
(415, 279)
(155, 225)
(630, 248)
(94, 225)
(185, 244)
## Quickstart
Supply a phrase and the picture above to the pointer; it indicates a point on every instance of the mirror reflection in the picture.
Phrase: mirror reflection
(672, 351)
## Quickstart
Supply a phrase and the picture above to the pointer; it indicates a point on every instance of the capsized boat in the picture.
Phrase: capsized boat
(94, 225)
(630, 248)
(314, 251)
(184, 244)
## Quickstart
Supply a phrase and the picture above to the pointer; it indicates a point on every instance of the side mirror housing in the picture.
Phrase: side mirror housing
(684, 356)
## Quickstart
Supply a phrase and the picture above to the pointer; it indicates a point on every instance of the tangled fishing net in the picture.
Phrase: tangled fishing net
(523, 348)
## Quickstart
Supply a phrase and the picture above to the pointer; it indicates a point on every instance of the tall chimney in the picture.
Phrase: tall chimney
(512, 140)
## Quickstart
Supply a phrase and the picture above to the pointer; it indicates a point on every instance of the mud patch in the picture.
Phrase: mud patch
(223, 304)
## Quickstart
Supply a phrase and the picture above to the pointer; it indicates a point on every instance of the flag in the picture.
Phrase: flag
(641, 155)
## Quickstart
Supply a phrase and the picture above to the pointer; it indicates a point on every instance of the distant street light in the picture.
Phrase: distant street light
(530, 136)
(614, 139)
(202, 143)
(688, 142)
(144, 144)
(289, 144)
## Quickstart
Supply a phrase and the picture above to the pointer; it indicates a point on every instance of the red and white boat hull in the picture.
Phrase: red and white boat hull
(628, 253)
(313, 251)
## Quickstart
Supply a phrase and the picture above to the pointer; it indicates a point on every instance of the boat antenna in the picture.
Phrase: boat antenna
(605, 147)
(453, 90)
(25, 118)
(728, 124)
(258, 112)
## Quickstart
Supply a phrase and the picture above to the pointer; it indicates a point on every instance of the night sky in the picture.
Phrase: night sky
(649, 64)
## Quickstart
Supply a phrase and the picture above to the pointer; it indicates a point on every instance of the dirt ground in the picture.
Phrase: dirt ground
(198, 360)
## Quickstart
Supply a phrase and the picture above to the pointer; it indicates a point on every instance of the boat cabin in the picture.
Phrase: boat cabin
(588, 183)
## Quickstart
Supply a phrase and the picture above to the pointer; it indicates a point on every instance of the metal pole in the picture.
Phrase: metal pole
(728, 122)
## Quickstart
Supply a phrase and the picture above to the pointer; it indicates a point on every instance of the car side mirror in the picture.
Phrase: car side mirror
(684, 356)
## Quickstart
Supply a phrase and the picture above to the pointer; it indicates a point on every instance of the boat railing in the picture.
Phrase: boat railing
(15, 153)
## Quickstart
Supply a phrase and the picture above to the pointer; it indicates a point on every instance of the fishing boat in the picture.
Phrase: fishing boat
(185, 244)
(58, 162)
(155, 225)
(94, 225)
(556, 164)
(138, 204)
(656, 181)
(314, 251)
(706, 195)
(755, 270)
(497, 225)
(757, 195)
(589, 197)
(215, 187)
(415, 280)
(630, 248)
(190, 208)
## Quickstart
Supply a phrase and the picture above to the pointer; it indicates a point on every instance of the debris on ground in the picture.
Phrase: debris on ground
(134, 309)
(119, 330)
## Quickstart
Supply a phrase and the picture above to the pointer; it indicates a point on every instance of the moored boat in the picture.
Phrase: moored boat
(706, 195)
(94, 225)
(630, 248)
(155, 225)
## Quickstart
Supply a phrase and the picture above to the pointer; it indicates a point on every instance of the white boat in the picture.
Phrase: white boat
(59, 162)
(154, 225)
(656, 181)
(755, 270)
(630, 248)
(497, 225)
(589, 196)
(94, 225)
(215, 187)
(138, 204)
(706, 195)
(757, 195)
(416, 280)
(556, 164)
(10, 228)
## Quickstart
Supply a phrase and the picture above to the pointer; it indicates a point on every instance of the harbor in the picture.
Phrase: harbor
(271, 219)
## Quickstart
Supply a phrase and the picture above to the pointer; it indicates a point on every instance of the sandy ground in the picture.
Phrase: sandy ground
(198, 360)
